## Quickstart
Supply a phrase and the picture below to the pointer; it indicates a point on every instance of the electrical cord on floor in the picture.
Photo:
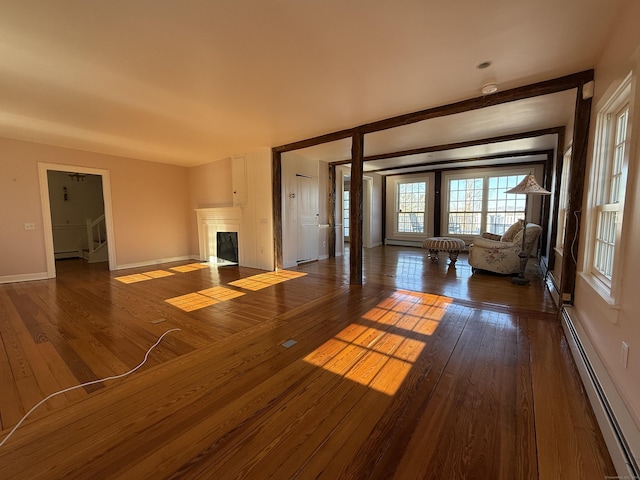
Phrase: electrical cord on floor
(146, 356)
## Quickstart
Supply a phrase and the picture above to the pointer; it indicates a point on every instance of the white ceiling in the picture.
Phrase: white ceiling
(187, 82)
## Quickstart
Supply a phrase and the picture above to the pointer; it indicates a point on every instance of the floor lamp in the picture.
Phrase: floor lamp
(528, 186)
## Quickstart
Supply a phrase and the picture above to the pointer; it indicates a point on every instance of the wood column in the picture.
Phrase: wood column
(355, 208)
(576, 189)
(331, 210)
(437, 204)
(276, 192)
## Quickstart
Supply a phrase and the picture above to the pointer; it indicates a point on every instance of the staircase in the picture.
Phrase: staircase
(96, 250)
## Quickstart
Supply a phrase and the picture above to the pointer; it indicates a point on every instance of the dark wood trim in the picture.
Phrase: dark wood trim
(276, 198)
(453, 146)
(520, 93)
(476, 167)
(547, 180)
(331, 210)
(463, 161)
(576, 190)
(319, 140)
(553, 233)
(355, 209)
(437, 203)
(383, 211)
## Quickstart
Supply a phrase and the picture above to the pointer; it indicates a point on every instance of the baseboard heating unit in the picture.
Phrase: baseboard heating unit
(620, 432)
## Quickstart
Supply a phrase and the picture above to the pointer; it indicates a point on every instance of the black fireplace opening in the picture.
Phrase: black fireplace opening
(227, 247)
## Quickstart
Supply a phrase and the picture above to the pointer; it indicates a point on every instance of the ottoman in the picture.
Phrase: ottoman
(443, 244)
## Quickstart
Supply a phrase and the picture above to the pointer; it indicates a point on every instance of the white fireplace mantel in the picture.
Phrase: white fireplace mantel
(214, 220)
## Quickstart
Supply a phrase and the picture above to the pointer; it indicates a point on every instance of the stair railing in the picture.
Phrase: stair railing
(96, 230)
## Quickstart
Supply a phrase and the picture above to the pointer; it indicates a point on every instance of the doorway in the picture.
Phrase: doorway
(55, 220)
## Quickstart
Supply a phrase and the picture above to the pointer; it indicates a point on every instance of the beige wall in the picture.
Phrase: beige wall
(150, 207)
(606, 326)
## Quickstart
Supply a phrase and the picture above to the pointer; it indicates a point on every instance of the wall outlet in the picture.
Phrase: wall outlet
(29, 226)
(624, 354)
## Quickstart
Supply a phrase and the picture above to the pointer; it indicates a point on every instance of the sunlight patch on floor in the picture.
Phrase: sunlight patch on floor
(190, 267)
(221, 293)
(264, 280)
(381, 357)
(191, 302)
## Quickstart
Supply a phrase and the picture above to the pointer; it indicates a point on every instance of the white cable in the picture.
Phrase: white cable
(575, 236)
(146, 356)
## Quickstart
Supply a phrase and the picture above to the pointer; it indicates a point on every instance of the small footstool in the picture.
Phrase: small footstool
(443, 244)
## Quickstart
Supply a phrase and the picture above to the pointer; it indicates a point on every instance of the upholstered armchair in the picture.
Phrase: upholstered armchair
(499, 253)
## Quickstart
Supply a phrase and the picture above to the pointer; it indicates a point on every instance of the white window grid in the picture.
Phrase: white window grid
(479, 203)
(411, 206)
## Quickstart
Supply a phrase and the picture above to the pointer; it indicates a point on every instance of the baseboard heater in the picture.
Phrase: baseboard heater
(620, 432)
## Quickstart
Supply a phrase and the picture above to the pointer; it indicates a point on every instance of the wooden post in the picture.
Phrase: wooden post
(331, 210)
(276, 191)
(355, 208)
(437, 204)
(576, 189)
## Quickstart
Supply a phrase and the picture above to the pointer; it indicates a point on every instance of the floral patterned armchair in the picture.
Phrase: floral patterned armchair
(499, 254)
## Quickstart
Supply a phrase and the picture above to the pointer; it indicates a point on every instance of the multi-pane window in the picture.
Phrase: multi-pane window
(479, 203)
(611, 192)
(411, 205)
(345, 212)
(503, 209)
(563, 202)
(465, 206)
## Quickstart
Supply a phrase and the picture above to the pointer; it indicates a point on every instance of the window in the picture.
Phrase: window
(345, 213)
(612, 127)
(411, 206)
(503, 209)
(465, 206)
(563, 203)
(479, 203)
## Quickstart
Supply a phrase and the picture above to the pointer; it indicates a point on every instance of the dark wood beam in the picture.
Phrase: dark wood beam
(331, 210)
(355, 209)
(276, 196)
(469, 143)
(520, 93)
(545, 220)
(464, 160)
(437, 203)
(559, 161)
(576, 190)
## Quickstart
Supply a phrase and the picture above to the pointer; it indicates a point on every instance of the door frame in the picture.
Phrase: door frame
(43, 168)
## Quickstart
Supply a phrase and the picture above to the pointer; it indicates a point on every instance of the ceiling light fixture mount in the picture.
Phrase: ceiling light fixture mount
(489, 88)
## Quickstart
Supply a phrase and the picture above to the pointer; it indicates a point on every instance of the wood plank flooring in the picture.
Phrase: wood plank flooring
(425, 371)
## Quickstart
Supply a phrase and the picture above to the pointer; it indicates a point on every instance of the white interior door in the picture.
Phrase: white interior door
(307, 206)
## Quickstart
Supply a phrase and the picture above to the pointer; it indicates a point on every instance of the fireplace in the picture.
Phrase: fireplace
(227, 248)
(220, 236)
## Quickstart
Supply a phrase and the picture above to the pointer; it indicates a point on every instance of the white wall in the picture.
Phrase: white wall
(210, 187)
(608, 326)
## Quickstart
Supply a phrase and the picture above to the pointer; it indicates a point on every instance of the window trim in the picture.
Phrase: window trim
(404, 181)
(599, 186)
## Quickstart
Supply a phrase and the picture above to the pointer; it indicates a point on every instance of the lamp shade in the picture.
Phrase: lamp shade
(529, 186)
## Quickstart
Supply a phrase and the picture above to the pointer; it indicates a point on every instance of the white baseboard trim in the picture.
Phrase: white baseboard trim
(25, 277)
(620, 433)
(323, 257)
(153, 262)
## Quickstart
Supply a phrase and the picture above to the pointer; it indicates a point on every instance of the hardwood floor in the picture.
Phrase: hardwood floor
(425, 371)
